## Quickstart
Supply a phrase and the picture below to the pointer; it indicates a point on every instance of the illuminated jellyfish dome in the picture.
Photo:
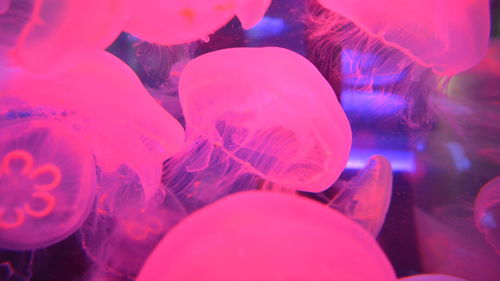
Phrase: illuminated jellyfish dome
(400, 53)
(430, 32)
(48, 184)
(254, 236)
(174, 22)
(47, 36)
(247, 118)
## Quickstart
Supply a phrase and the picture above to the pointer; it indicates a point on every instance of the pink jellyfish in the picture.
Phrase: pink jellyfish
(448, 36)
(404, 50)
(48, 36)
(432, 277)
(103, 98)
(159, 68)
(47, 183)
(487, 212)
(257, 235)
(125, 227)
(366, 197)
(172, 22)
(256, 114)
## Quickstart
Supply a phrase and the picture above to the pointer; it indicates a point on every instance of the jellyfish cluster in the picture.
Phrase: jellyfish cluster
(224, 165)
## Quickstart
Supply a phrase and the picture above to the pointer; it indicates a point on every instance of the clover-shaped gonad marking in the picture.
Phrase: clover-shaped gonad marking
(40, 193)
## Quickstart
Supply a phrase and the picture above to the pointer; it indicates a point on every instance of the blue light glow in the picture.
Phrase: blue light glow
(401, 160)
(267, 27)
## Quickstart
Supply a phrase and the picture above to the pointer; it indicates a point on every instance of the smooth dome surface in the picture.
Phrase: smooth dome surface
(181, 21)
(252, 236)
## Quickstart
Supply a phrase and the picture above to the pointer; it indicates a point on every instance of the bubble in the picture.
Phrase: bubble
(125, 227)
(487, 212)
(47, 184)
(432, 277)
(257, 113)
(175, 22)
(267, 236)
(48, 36)
(366, 197)
(118, 118)
(399, 53)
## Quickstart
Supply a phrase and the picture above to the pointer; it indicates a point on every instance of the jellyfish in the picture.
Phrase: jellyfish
(390, 48)
(48, 36)
(175, 21)
(159, 68)
(106, 102)
(366, 197)
(256, 118)
(432, 277)
(263, 235)
(47, 183)
(125, 226)
(487, 212)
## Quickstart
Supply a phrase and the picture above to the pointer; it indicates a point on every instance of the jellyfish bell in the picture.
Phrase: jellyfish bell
(105, 100)
(48, 36)
(390, 51)
(270, 110)
(175, 21)
(257, 235)
(445, 35)
(249, 12)
(487, 212)
(47, 183)
(366, 197)
(432, 277)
